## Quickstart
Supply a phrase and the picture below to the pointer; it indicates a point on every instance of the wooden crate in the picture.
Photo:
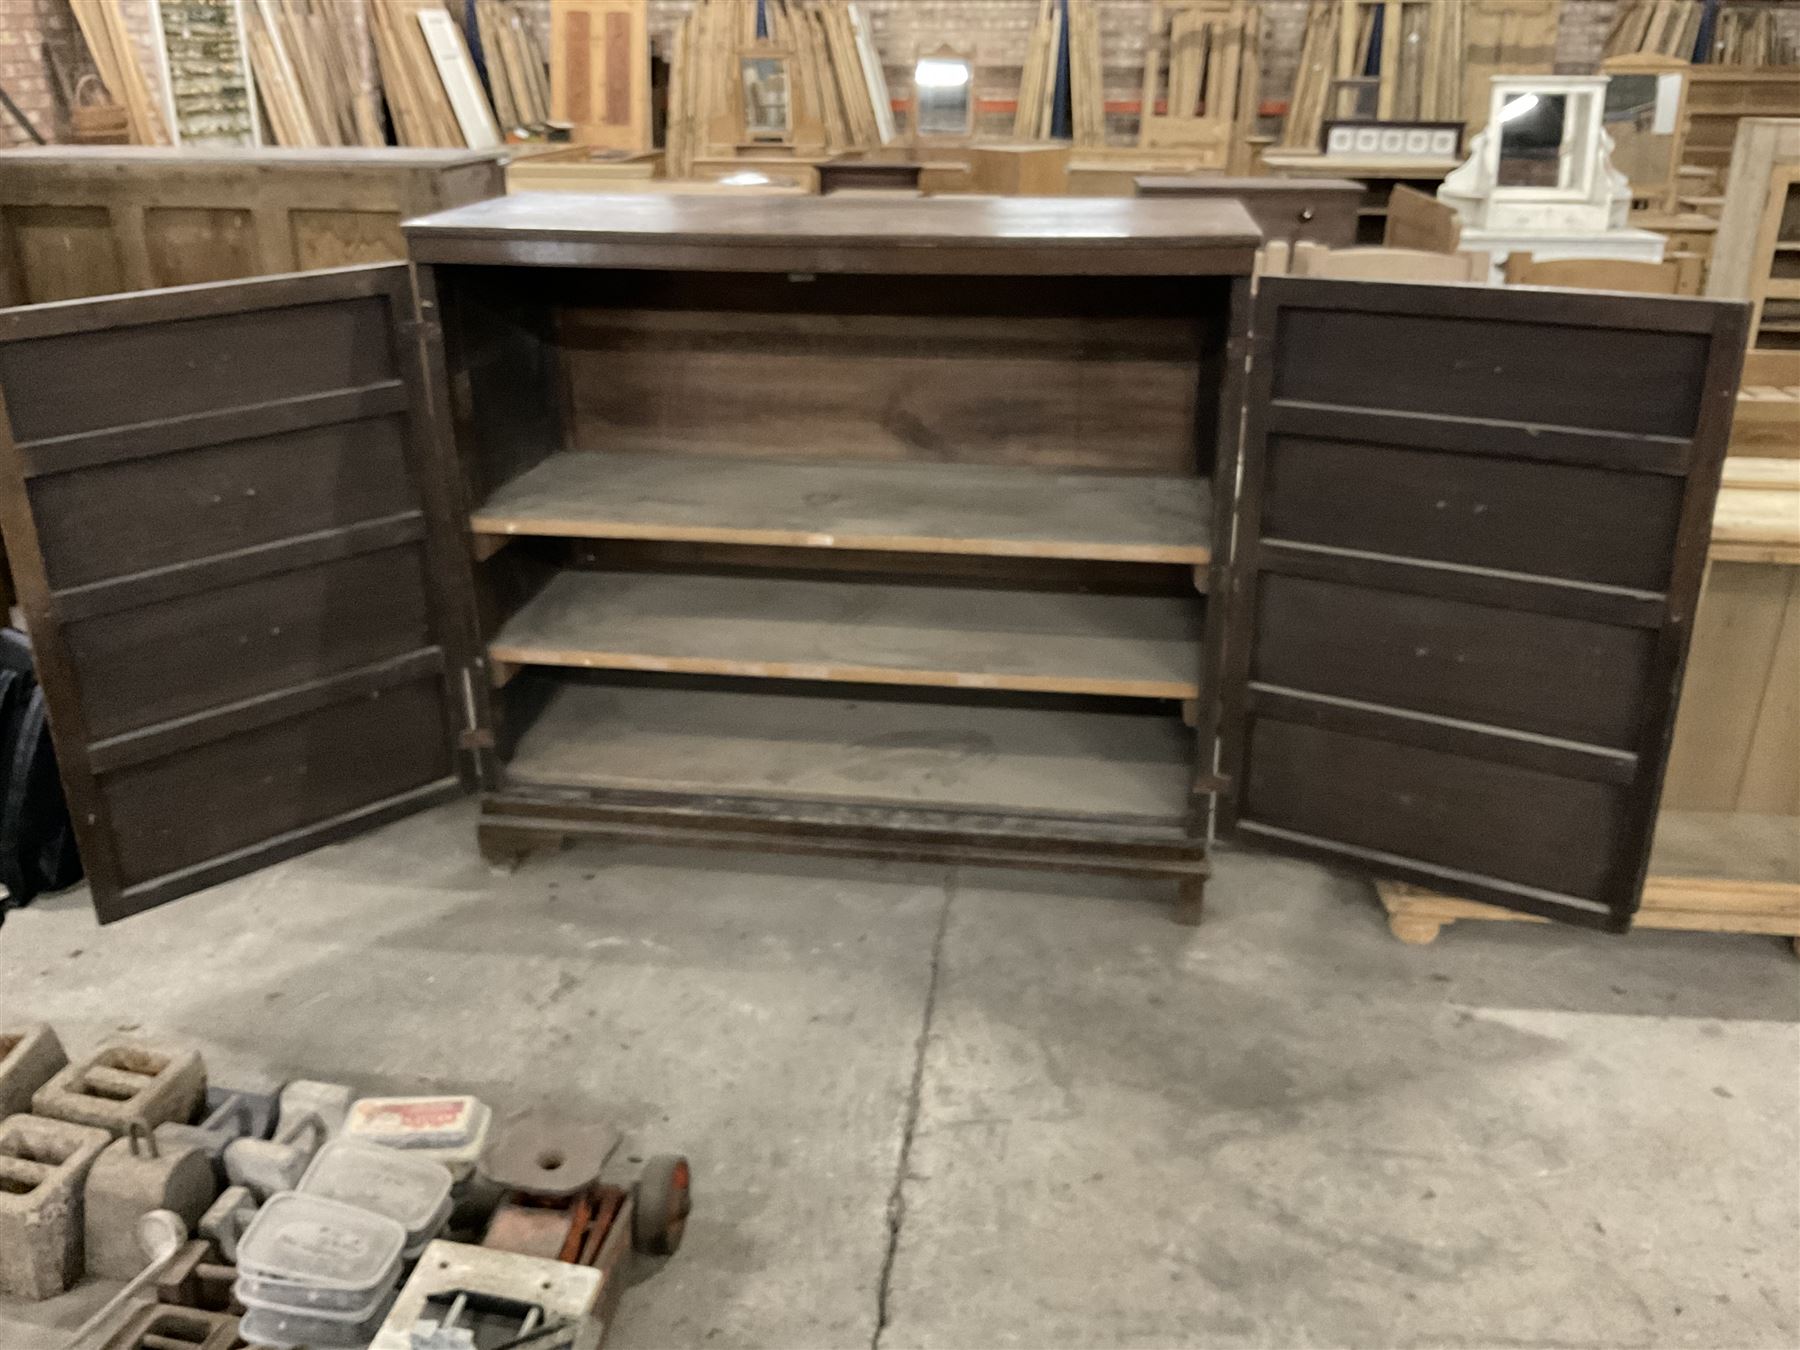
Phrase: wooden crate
(81, 221)
(1020, 170)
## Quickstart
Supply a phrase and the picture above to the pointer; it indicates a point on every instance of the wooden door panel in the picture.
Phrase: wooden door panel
(1457, 364)
(236, 495)
(1553, 520)
(290, 774)
(1374, 796)
(1543, 673)
(238, 565)
(233, 363)
(1469, 544)
(174, 658)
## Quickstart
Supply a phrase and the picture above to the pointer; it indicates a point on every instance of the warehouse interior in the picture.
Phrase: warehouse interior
(911, 673)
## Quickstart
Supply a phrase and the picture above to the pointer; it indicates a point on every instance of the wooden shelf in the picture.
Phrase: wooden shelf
(1024, 761)
(955, 637)
(913, 508)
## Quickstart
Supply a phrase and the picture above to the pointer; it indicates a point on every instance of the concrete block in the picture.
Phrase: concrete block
(43, 1167)
(29, 1056)
(131, 1177)
(118, 1084)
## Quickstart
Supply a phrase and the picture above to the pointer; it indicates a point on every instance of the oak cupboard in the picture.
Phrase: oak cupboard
(990, 531)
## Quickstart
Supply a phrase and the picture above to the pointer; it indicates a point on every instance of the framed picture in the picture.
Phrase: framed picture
(1357, 139)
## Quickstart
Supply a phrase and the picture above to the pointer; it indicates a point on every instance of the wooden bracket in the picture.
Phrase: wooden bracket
(486, 546)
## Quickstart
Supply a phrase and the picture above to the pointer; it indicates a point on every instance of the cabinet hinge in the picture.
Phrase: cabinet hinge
(474, 736)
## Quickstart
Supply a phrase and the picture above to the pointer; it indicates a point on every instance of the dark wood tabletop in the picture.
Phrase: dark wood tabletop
(1051, 235)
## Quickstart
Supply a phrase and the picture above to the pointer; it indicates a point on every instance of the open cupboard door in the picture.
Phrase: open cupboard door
(1469, 544)
(236, 567)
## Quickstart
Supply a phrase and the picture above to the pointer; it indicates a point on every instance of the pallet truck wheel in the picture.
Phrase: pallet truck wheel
(663, 1199)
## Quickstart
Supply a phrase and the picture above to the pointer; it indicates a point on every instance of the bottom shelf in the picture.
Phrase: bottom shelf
(1113, 766)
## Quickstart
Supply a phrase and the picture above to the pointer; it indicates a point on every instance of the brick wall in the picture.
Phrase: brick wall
(25, 25)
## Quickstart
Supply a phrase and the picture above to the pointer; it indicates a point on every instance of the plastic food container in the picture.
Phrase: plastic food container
(306, 1254)
(413, 1191)
(288, 1329)
(449, 1130)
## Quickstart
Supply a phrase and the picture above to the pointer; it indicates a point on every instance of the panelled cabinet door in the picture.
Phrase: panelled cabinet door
(221, 513)
(1470, 539)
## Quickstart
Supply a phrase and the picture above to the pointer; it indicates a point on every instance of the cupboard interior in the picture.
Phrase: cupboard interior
(888, 540)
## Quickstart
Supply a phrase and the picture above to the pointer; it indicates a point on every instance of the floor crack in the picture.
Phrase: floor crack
(896, 1206)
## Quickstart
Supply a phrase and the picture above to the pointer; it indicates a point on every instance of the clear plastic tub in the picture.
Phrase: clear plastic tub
(412, 1191)
(308, 1254)
(288, 1329)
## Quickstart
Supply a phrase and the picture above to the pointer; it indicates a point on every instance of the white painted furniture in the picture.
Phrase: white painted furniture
(1539, 178)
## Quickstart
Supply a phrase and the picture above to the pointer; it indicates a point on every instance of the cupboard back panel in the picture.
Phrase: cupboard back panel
(1055, 393)
(1072, 372)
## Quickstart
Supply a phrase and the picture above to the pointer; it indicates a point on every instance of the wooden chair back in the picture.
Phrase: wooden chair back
(1387, 264)
(1419, 220)
(1594, 274)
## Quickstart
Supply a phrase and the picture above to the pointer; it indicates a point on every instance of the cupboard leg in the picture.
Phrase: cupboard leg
(504, 850)
(1190, 892)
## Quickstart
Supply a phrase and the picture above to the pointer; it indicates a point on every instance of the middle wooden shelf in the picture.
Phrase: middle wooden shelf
(980, 509)
(960, 637)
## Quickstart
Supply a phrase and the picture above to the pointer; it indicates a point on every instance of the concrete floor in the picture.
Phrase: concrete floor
(966, 1109)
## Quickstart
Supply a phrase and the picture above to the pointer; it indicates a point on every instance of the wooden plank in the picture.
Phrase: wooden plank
(981, 510)
(776, 628)
(456, 71)
(945, 755)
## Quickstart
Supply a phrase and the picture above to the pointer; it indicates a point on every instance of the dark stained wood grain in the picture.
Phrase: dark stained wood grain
(1485, 819)
(233, 573)
(277, 779)
(1578, 523)
(1021, 236)
(1468, 552)
(166, 509)
(1569, 678)
(170, 660)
